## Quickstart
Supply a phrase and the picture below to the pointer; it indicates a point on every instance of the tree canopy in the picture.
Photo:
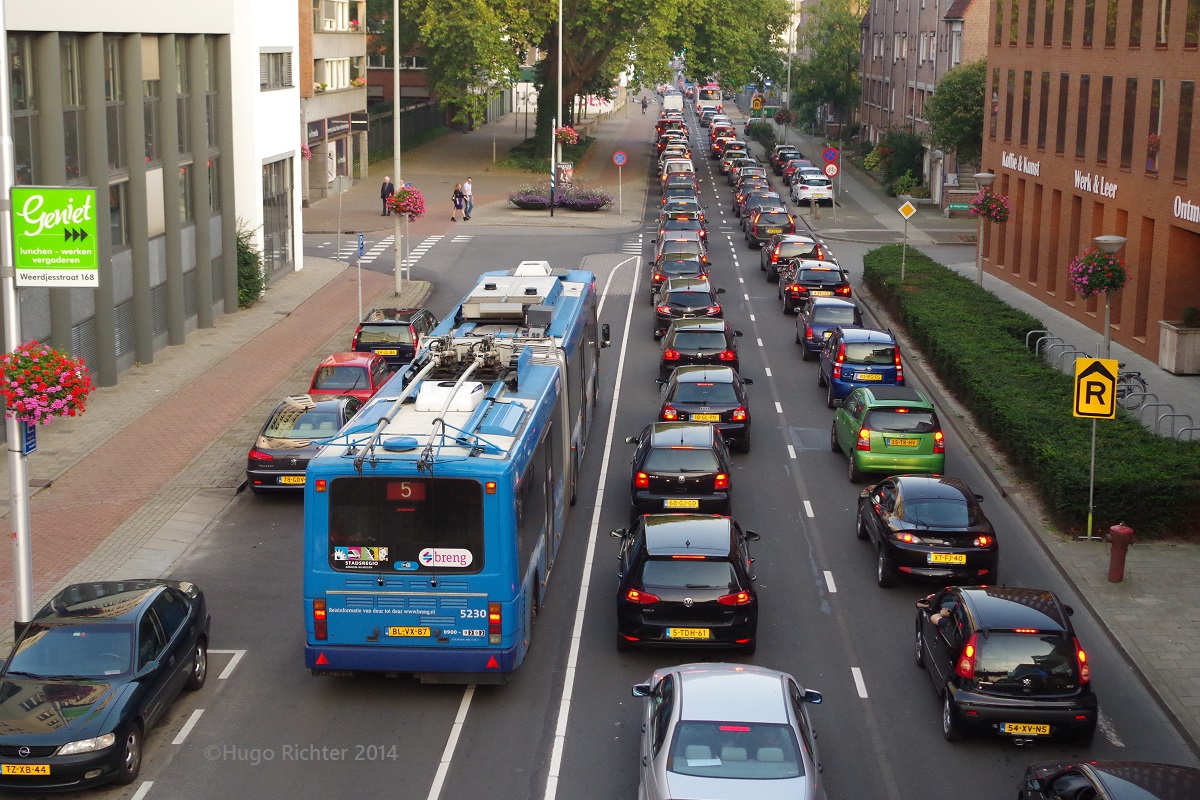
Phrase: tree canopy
(830, 74)
(955, 111)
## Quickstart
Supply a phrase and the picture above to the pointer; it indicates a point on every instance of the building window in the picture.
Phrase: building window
(1009, 101)
(214, 184)
(1060, 132)
(210, 88)
(1081, 122)
(114, 101)
(999, 38)
(1106, 86)
(150, 95)
(1068, 22)
(182, 89)
(331, 15)
(185, 193)
(1089, 21)
(1043, 111)
(74, 126)
(1157, 86)
(277, 214)
(274, 71)
(955, 48)
(1162, 23)
(118, 214)
(1127, 129)
(1183, 137)
(1012, 25)
(22, 89)
(1048, 34)
(1031, 24)
(1110, 25)
(995, 103)
(334, 73)
(1135, 24)
(1026, 99)
(1191, 31)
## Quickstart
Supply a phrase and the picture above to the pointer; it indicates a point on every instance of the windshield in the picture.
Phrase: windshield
(680, 459)
(867, 353)
(940, 512)
(86, 650)
(290, 422)
(341, 378)
(384, 334)
(708, 94)
(1026, 662)
(901, 422)
(735, 750)
(705, 393)
(833, 315)
(819, 276)
(699, 340)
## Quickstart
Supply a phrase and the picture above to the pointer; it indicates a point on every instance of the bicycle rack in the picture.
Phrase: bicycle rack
(1142, 397)
(1155, 404)
(1191, 431)
(1035, 344)
(1071, 352)
(1066, 345)
(1173, 416)
(1044, 340)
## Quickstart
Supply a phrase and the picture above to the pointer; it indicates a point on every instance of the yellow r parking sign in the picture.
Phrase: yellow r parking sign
(1095, 388)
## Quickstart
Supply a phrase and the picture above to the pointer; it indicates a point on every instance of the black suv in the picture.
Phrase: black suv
(679, 467)
(685, 580)
(394, 333)
(692, 341)
(1006, 662)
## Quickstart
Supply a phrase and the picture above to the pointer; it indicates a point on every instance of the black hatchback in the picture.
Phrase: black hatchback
(691, 342)
(685, 298)
(685, 580)
(394, 333)
(1006, 662)
(709, 394)
(680, 467)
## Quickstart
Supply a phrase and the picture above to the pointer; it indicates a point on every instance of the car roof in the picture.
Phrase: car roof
(820, 302)
(1015, 607)
(701, 373)
(354, 359)
(104, 601)
(398, 315)
(867, 335)
(680, 534)
(732, 692)
(894, 395)
(681, 434)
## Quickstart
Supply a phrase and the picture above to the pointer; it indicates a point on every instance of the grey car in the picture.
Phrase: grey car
(727, 731)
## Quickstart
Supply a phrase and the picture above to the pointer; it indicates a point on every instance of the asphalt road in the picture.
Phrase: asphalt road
(269, 729)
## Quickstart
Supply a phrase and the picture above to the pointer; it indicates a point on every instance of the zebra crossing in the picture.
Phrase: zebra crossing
(633, 245)
(349, 249)
(462, 239)
(415, 253)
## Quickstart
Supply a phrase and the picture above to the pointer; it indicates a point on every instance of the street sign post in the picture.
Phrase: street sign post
(756, 104)
(54, 236)
(906, 211)
(1095, 398)
(619, 158)
(831, 170)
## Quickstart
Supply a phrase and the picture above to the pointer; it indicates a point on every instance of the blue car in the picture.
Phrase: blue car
(854, 357)
(818, 318)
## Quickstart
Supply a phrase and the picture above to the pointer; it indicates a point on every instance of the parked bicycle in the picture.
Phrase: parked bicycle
(1131, 388)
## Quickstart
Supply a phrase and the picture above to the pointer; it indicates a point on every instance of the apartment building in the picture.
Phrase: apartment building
(1090, 132)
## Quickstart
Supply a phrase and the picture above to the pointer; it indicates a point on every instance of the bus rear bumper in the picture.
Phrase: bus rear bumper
(430, 665)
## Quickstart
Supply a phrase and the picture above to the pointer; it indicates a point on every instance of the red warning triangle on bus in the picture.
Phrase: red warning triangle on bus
(491, 664)
(322, 660)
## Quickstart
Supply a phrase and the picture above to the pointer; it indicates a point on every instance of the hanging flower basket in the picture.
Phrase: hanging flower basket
(566, 135)
(990, 206)
(41, 384)
(358, 83)
(1093, 273)
(409, 202)
(305, 152)
(784, 116)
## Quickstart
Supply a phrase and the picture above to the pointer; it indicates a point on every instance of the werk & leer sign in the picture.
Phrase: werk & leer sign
(54, 236)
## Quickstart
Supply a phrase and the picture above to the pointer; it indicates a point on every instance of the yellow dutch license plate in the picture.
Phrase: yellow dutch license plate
(688, 633)
(391, 352)
(947, 558)
(25, 769)
(292, 480)
(868, 376)
(681, 503)
(706, 417)
(408, 631)
(1025, 728)
(774, 230)
(826, 334)
(902, 442)
(821, 293)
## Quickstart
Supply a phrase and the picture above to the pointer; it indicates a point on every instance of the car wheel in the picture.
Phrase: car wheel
(788, 308)
(951, 727)
(860, 527)
(920, 647)
(131, 756)
(744, 444)
(199, 666)
(761, 266)
(830, 399)
(885, 576)
(833, 442)
(806, 354)
(854, 473)
(1085, 740)
(820, 378)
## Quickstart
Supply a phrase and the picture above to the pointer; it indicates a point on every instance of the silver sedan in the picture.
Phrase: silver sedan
(727, 731)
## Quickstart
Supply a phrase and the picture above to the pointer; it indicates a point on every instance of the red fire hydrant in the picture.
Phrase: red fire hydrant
(1120, 536)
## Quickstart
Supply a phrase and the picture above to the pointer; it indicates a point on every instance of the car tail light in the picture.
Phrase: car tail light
(658, 276)
(354, 342)
(842, 290)
(1085, 671)
(713, 310)
(899, 366)
(259, 455)
(774, 256)
(939, 442)
(640, 597)
(670, 355)
(320, 621)
(983, 541)
(663, 309)
(795, 288)
(841, 357)
(721, 481)
(864, 440)
(669, 413)
(495, 623)
(641, 481)
(808, 332)
(965, 668)
(735, 599)
(907, 538)
(727, 355)
(739, 414)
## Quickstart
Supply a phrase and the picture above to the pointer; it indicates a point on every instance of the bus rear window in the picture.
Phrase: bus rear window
(406, 525)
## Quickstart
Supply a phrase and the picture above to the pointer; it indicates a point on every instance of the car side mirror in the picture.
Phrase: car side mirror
(146, 670)
(737, 333)
(660, 381)
(1034, 784)
(605, 335)
(619, 533)
(751, 536)
(978, 498)
(1070, 611)
(641, 690)
(812, 696)
(631, 439)
(748, 381)
(720, 291)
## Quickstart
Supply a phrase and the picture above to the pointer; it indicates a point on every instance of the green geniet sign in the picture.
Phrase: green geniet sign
(54, 236)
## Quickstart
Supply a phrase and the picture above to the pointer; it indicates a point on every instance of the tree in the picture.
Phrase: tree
(955, 111)
(830, 76)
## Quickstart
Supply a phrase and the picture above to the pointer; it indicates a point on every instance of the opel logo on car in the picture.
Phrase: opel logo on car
(680, 479)
(23, 751)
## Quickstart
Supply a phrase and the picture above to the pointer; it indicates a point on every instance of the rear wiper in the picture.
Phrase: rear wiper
(699, 586)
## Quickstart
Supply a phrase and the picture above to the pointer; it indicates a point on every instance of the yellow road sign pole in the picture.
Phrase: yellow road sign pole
(1091, 486)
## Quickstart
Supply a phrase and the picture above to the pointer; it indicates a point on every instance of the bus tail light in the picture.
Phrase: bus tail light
(320, 621)
(494, 620)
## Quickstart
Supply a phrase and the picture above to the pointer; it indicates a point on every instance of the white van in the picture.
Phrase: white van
(673, 101)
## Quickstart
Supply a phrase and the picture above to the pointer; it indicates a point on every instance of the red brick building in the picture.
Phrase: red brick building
(1090, 132)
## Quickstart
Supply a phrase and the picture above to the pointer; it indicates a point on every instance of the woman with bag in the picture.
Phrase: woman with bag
(459, 200)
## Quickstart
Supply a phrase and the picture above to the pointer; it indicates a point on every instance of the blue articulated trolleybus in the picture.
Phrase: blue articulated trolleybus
(432, 521)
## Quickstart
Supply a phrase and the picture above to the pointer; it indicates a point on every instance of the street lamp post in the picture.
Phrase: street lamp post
(787, 91)
(1109, 245)
(983, 180)
(401, 264)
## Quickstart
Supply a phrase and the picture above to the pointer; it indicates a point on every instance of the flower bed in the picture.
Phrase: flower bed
(575, 198)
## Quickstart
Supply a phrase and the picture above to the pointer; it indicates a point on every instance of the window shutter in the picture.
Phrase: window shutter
(264, 70)
(287, 69)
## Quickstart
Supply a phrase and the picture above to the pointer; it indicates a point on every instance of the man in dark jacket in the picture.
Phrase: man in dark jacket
(385, 193)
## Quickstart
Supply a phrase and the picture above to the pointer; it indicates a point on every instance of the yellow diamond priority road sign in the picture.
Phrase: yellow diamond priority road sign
(907, 210)
(1095, 388)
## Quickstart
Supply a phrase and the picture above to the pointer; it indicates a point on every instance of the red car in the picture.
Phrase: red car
(355, 374)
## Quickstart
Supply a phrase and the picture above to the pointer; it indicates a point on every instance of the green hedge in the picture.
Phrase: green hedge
(976, 345)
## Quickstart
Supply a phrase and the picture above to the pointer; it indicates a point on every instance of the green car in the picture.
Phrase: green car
(888, 429)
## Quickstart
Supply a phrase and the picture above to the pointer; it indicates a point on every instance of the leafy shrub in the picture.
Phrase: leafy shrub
(252, 281)
(873, 161)
(904, 153)
(976, 345)
(906, 183)
(763, 133)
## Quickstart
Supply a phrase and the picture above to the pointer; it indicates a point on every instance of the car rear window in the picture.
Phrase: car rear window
(818, 182)
(705, 392)
(833, 315)
(699, 340)
(681, 459)
(797, 249)
(384, 334)
(290, 422)
(868, 353)
(744, 750)
(813, 275)
(690, 299)
(692, 248)
(893, 421)
(341, 378)
(689, 573)
(679, 264)
(771, 218)
(940, 512)
(1026, 662)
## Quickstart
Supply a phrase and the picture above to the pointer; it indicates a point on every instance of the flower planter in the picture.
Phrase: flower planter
(1178, 348)
(531, 205)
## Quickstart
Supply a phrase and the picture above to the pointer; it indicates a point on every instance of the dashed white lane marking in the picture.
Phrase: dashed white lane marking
(741, 279)
(768, 372)
(808, 509)
(443, 769)
(829, 584)
(791, 452)
(233, 662)
(760, 344)
(746, 297)
(858, 682)
(778, 408)
(187, 726)
(142, 791)
(1108, 729)
(752, 318)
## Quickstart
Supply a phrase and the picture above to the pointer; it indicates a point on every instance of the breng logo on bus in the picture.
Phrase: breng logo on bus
(445, 557)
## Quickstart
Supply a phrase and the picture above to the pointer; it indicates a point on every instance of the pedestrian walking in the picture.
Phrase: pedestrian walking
(459, 199)
(468, 199)
(385, 193)
(645, 103)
